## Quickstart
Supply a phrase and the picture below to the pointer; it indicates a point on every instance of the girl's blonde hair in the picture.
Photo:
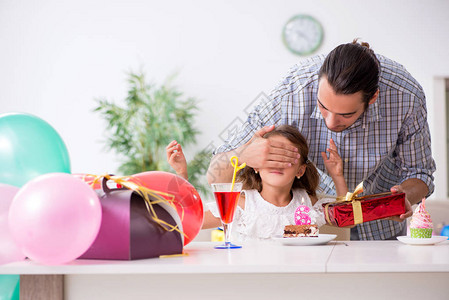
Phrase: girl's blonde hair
(309, 181)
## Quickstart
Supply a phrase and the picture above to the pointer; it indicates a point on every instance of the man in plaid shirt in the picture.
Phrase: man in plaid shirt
(373, 110)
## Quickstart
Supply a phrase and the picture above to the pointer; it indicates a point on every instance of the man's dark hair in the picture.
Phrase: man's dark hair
(351, 68)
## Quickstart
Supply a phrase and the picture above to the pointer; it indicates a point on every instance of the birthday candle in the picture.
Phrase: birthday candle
(302, 216)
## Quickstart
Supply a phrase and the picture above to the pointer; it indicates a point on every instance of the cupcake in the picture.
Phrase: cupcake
(421, 224)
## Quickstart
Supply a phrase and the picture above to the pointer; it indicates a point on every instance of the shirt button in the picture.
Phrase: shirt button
(346, 160)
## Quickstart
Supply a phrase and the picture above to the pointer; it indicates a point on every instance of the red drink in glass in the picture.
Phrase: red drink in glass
(227, 202)
(226, 196)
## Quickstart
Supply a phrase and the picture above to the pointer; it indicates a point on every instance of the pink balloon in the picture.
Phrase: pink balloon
(9, 251)
(55, 218)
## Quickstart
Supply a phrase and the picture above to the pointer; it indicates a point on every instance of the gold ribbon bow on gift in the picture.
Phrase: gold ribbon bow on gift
(356, 205)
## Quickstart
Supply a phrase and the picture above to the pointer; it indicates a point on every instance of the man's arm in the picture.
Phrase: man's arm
(414, 189)
(415, 157)
(256, 153)
(220, 169)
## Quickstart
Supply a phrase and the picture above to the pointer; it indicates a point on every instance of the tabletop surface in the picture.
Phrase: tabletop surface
(257, 257)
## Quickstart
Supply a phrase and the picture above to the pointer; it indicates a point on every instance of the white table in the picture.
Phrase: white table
(353, 269)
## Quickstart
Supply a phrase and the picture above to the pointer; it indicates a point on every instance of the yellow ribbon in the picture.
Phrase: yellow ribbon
(144, 192)
(356, 205)
(174, 255)
(235, 164)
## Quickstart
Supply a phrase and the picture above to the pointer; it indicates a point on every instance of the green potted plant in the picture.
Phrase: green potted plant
(151, 118)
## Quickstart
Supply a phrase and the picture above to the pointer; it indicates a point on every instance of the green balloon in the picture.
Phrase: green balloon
(9, 287)
(29, 147)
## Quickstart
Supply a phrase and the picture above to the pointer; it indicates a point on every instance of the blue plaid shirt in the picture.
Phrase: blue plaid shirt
(388, 144)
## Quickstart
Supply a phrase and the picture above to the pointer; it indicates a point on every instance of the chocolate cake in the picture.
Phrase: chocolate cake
(301, 231)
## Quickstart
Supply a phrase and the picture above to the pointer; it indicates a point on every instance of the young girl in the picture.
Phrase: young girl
(270, 196)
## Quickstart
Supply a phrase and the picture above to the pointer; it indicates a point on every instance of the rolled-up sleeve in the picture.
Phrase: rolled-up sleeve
(414, 155)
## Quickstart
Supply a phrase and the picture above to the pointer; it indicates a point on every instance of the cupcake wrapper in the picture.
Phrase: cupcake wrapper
(421, 233)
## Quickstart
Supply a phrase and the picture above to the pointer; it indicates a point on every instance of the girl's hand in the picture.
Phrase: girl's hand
(333, 164)
(176, 159)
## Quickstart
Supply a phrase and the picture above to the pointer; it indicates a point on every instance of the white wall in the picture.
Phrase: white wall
(57, 56)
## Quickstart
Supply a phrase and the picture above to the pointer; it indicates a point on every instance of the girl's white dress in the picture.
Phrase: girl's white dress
(261, 220)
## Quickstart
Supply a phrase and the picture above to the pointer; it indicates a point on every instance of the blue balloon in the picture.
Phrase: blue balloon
(9, 287)
(29, 147)
(445, 231)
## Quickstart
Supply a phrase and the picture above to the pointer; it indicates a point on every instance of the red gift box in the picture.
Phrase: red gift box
(373, 207)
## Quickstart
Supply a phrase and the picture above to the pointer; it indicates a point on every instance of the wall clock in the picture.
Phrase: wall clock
(302, 34)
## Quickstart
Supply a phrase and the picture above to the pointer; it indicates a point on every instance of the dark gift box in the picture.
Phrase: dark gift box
(128, 231)
(365, 208)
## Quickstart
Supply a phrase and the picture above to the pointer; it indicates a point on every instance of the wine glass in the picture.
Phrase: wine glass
(227, 202)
